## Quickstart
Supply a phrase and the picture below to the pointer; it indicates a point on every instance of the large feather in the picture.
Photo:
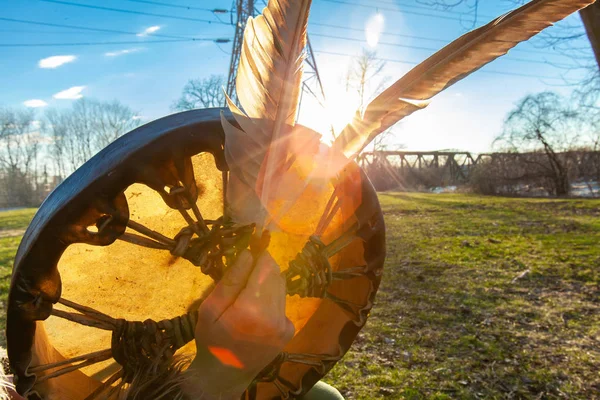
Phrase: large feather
(268, 87)
(449, 65)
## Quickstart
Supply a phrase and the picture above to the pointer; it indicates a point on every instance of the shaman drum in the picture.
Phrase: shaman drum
(116, 261)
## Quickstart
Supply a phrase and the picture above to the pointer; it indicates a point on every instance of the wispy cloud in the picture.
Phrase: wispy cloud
(35, 103)
(70, 94)
(55, 61)
(149, 30)
(122, 52)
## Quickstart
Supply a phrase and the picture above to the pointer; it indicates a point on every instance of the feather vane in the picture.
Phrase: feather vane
(268, 87)
(454, 62)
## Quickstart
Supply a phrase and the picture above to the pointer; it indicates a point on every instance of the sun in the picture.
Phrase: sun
(334, 113)
(340, 108)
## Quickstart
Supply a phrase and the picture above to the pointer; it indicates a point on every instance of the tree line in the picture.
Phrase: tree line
(39, 150)
(548, 143)
(553, 127)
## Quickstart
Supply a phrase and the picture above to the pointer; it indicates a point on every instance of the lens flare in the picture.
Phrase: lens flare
(374, 29)
(226, 357)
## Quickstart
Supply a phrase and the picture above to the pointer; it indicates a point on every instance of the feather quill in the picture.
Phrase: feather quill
(268, 87)
(454, 62)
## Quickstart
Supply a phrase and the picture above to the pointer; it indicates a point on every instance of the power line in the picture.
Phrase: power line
(100, 30)
(397, 3)
(383, 33)
(396, 10)
(160, 35)
(418, 47)
(121, 32)
(225, 23)
(416, 63)
(401, 9)
(122, 10)
(101, 43)
(186, 37)
(410, 36)
(44, 32)
(158, 3)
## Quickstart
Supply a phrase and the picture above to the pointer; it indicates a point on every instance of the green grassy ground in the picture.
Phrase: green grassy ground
(16, 219)
(12, 225)
(482, 297)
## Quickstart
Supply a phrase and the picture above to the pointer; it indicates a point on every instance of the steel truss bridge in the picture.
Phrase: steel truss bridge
(454, 167)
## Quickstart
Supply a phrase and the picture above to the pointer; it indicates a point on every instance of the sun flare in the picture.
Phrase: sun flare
(340, 108)
(374, 29)
(335, 113)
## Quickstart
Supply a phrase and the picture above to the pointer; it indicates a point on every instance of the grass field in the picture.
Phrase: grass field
(12, 225)
(482, 297)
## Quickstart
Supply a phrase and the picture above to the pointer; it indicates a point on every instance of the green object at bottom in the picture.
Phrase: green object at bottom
(323, 391)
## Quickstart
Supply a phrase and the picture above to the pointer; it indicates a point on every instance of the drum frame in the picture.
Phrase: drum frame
(93, 196)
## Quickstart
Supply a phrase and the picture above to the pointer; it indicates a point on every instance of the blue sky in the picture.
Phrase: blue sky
(148, 75)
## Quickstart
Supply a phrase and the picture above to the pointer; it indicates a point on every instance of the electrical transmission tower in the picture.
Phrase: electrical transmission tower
(243, 10)
(311, 82)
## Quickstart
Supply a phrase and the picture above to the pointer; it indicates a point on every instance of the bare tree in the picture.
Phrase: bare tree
(201, 93)
(81, 125)
(543, 122)
(61, 150)
(472, 7)
(364, 78)
(589, 165)
(111, 120)
(80, 132)
(19, 151)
